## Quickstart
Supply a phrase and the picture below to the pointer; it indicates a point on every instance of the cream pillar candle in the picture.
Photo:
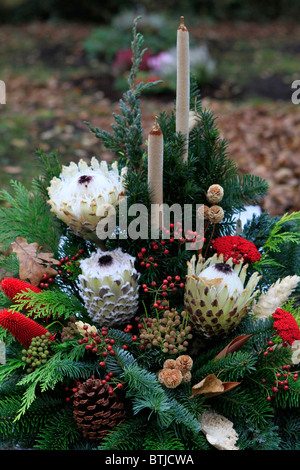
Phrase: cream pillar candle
(155, 173)
(183, 84)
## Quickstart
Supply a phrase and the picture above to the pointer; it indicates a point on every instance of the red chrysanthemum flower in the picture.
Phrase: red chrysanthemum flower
(286, 326)
(233, 246)
(21, 327)
(12, 287)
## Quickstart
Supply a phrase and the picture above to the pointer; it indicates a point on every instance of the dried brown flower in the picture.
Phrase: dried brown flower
(215, 214)
(171, 378)
(170, 364)
(186, 376)
(184, 362)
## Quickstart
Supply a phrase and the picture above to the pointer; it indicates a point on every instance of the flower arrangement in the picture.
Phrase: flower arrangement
(155, 335)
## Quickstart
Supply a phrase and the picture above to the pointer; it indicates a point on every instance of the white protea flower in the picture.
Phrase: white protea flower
(275, 297)
(81, 194)
(215, 296)
(219, 431)
(109, 287)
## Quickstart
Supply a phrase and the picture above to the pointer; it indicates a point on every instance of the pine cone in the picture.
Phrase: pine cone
(96, 411)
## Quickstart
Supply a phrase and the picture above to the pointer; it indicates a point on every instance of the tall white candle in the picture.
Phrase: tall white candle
(183, 84)
(155, 172)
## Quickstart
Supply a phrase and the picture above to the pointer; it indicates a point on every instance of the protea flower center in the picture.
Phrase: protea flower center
(85, 179)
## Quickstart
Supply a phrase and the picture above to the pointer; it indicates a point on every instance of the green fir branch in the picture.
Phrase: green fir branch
(47, 376)
(26, 210)
(161, 439)
(126, 436)
(60, 432)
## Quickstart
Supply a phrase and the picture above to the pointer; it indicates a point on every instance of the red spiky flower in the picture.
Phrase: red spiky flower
(286, 326)
(21, 327)
(233, 246)
(12, 287)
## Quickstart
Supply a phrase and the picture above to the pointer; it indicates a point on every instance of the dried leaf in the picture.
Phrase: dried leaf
(33, 263)
(235, 345)
(211, 386)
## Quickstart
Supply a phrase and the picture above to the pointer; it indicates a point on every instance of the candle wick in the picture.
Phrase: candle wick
(182, 27)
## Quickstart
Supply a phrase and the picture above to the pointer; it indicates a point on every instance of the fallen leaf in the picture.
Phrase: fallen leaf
(235, 345)
(33, 263)
(211, 386)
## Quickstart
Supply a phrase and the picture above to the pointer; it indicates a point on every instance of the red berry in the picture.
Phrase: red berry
(102, 364)
(120, 386)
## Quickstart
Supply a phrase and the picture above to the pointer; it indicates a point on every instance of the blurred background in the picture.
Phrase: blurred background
(66, 62)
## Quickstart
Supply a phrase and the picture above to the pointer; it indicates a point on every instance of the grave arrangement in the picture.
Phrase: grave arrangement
(137, 312)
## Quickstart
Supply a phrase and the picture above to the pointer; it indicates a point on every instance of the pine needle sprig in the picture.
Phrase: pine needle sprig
(126, 141)
(127, 436)
(59, 432)
(161, 439)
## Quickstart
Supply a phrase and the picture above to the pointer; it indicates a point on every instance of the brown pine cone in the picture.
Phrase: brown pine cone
(95, 410)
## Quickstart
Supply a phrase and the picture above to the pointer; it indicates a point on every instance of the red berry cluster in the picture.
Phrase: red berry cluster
(282, 381)
(46, 281)
(70, 265)
(97, 345)
(168, 286)
(102, 346)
